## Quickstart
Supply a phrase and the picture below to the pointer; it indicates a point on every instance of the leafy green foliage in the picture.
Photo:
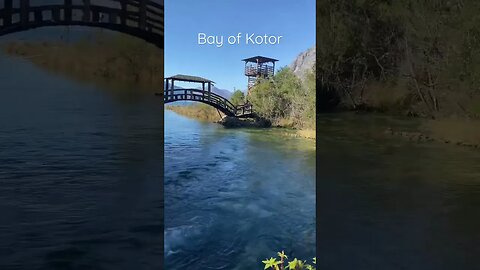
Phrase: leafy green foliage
(271, 263)
(294, 264)
(237, 98)
(286, 97)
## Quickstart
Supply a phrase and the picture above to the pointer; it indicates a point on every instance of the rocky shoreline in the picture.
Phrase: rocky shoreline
(254, 122)
(258, 122)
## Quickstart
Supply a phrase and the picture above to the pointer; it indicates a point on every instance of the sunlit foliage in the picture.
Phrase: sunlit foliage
(286, 98)
(283, 263)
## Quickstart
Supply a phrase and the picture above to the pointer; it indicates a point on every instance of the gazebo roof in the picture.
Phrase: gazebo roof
(188, 78)
(260, 59)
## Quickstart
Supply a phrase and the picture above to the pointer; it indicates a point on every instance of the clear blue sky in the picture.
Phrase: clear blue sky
(184, 19)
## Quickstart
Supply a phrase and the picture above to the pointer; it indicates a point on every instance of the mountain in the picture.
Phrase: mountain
(222, 92)
(304, 62)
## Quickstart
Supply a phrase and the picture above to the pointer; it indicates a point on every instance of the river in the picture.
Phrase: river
(235, 197)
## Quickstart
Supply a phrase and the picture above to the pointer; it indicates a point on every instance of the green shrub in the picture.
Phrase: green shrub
(238, 98)
(294, 264)
(285, 98)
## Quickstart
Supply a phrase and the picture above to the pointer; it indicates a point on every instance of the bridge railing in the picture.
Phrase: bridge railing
(199, 95)
(244, 109)
(146, 15)
(261, 70)
(149, 14)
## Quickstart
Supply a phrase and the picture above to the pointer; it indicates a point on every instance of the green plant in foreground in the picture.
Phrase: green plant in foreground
(282, 264)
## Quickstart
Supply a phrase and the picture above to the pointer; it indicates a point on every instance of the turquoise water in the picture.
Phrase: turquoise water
(235, 197)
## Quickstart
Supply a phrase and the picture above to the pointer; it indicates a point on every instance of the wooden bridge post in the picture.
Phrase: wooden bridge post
(172, 89)
(86, 11)
(24, 11)
(112, 17)
(7, 17)
(209, 90)
(56, 14)
(166, 88)
(38, 16)
(203, 90)
(142, 14)
(123, 13)
(67, 12)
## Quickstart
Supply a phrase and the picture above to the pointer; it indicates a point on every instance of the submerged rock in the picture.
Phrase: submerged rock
(255, 122)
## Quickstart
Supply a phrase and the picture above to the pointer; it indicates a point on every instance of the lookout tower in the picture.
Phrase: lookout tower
(258, 67)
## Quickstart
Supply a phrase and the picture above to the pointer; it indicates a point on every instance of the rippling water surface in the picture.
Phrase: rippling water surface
(387, 203)
(80, 173)
(235, 197)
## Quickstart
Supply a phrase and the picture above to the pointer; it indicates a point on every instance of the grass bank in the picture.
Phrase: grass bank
(106, 57)
(207, 113)
(201, 112)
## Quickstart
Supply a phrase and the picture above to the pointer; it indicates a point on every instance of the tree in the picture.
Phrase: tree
(282, 97)
(237, 98)
(426, 51)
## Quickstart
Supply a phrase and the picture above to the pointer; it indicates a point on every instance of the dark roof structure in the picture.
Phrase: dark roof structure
(259, 59)
(188, 78)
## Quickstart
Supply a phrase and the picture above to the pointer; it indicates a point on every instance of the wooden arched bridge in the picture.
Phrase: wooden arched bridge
(203, 95)
(139, 18)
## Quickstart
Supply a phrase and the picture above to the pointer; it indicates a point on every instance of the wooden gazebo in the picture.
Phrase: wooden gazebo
(170, 83)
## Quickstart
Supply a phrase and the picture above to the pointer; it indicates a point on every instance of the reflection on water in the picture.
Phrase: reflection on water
(80, 174)
(392, 204)
(235, 197)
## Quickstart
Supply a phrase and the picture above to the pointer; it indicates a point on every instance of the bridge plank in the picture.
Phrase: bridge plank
(155, 5)
(155, 21)
(154, 12)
